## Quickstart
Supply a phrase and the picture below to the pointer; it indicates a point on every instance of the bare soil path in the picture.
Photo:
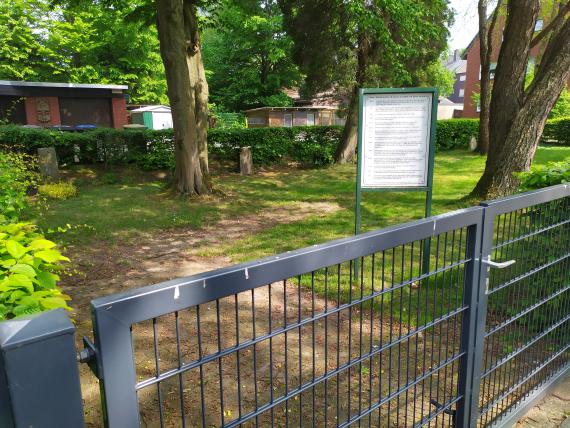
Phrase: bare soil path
(103, 269)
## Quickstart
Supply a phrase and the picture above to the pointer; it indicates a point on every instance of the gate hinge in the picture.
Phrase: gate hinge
(451, 412)
(88, 355)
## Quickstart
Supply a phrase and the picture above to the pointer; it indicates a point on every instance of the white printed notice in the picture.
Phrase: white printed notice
(396, 140)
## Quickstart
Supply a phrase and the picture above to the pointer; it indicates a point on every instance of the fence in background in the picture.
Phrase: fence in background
(468, 335)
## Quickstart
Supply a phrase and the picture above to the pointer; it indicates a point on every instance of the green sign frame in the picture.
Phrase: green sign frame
(430, 164)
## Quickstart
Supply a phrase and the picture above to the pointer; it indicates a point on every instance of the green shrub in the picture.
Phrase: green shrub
(28, 272)
(557, 131)
(159, 155)
(153, 149)
(15, 179)
(456, 133)
(545, 175)
(60, 190)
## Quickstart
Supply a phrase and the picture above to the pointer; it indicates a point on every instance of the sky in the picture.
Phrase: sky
(466, 23)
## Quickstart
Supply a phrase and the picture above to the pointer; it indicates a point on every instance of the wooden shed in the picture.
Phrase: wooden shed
(292, 116)
(63, 104)
(153, 117)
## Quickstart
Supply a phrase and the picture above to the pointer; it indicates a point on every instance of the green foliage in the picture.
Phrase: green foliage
(375, 43)
(557, 131)
(152, 149)
(28, 272)
(84, 42)
(61, 190)
(15, 179)
(248, 55)
(437, 75)
(562, 107)
(160, 155)
(312, 146)
(456, 133)
(28, 262)
(545, 175)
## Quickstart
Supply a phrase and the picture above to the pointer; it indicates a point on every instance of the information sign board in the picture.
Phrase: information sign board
(396, 145)
(395, 140)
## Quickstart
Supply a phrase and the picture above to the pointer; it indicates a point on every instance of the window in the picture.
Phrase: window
(462, 77)
(310, 119)
(462, 93)
(288, 120)
(478, 106)
(492, 69)
(539, 24)
(256, 120)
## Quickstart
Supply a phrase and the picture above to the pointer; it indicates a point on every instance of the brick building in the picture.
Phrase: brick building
(473, 69)
(63, 104)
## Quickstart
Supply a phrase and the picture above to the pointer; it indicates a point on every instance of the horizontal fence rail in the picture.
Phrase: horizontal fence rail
(301, 338)
(458, 320)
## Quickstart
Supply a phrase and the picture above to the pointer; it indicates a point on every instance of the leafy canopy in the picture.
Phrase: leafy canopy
(372, 42)
(248, 55)
(81, 42)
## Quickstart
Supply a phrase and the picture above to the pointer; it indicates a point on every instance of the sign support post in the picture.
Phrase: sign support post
(396, 146)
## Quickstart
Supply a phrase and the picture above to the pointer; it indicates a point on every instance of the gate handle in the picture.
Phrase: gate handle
(498, 265)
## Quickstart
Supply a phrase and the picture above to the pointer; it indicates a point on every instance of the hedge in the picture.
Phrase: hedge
(313, 145)
(557, 131)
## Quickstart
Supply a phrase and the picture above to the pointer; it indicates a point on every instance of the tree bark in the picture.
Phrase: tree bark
(513, 144)
(187, 93)
(486, 31)
(349, 139)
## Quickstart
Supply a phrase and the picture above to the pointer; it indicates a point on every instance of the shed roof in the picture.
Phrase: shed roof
(295, 108)
(61, 85)
(153, 108)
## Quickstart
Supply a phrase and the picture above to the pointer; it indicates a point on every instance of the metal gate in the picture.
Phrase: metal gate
(456, 320)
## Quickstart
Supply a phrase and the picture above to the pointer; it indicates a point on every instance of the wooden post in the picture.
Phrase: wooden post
(47, 162)
(245, 161)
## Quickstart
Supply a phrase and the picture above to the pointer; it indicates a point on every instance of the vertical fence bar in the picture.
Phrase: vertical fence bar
(481, 286)
(116, 369)
(469, 328)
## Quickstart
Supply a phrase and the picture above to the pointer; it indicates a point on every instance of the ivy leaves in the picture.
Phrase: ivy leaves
(28, 266)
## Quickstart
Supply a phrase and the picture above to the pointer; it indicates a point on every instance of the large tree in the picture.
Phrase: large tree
(355, 43)
(517, 112)
(179, 35)
(247, 55)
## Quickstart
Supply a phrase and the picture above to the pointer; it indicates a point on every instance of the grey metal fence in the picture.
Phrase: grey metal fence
(365, 330)
(524, 334)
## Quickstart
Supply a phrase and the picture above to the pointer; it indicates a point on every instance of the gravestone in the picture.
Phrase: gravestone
(473, 144)
(47, 162)
(245, 161)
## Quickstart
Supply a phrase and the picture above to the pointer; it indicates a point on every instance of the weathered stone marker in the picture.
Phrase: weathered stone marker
(473, 144)
(245, 161)
(47, 162)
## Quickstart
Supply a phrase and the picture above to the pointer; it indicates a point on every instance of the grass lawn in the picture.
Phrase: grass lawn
(121, 205)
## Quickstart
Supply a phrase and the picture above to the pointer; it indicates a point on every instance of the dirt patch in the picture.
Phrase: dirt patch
(103, 269)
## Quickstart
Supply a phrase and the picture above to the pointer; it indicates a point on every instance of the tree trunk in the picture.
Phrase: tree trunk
(513, 149)
(187, 92)
(486, 30)
(349, 137)
(348, 141)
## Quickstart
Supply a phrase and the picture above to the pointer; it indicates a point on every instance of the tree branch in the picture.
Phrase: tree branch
(555, 23)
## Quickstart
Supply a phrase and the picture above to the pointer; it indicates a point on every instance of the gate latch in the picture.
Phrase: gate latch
(88, 355)
(498, 265)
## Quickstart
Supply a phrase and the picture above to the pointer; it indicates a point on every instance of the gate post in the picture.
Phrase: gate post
(468, 389)
(39, 377)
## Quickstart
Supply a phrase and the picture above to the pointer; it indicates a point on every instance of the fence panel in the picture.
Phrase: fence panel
(525, 337)
(300, 338)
